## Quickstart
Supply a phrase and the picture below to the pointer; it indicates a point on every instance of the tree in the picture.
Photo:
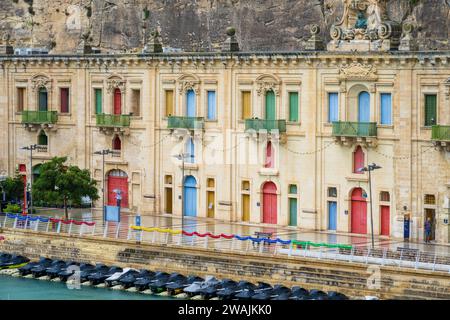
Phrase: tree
(62, 184)
(13, 187)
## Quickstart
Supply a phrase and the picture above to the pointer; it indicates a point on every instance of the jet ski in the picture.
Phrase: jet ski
(333, 295)
(39, 270)
(177, 287)
(64, 274)
(115, 278)
(144, 283)
(53, 271)
(128, 280)
(196, 288)
(26, 270)
(159, 285)
(14, 262)
(4, 257)
(318, 295)
(211, 291)
(101, 276)
(248, 293)
(298, 293)
(100, 267)
(276, 291)
(229, 292)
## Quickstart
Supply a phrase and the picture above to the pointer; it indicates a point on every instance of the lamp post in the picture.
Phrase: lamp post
(31, 148)
(103, 153)
(369, 168)
(181, 157)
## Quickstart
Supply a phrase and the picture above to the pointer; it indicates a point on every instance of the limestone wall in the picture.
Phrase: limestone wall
(348, 278)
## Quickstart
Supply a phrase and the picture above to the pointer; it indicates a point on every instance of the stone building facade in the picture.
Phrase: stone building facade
(266, 137)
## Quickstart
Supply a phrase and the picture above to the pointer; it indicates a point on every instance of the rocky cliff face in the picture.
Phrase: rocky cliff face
(199, 25)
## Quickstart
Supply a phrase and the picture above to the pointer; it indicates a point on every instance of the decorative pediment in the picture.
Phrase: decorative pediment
(358, 71)
(186, 85)
(41, 81)
(115, 82)
(267, 83)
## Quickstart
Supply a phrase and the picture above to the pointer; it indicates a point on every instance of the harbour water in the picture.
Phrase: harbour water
(12, 288)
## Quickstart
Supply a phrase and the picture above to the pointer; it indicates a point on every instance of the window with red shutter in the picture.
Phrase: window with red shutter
(358, 160)
(64, 100)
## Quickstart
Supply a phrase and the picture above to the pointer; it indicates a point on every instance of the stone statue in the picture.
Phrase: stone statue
(375, 13)
(361, 23)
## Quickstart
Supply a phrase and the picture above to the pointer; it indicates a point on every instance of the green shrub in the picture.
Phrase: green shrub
(13, 208)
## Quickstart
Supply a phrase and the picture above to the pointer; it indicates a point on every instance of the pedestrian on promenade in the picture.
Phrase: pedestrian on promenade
(428, 230)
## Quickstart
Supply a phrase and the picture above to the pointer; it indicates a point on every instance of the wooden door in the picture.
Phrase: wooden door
(270, 105)
(117, 102)
(120, 183)
(385, 220)
(270, 203)
(245, 207)
(359, 212)
(293, 212)
(211, 204)
(332, 215)
(168, 208)
(190, 197)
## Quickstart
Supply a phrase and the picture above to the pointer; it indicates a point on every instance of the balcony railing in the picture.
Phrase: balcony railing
(354, 129)
(269, 125)
(185, 122)
(440, 133)
(39, 117)
(113, 120)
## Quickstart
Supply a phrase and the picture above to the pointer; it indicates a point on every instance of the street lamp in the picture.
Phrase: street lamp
(103, 153)
(182, 157)
(369, 168)
(31, 148)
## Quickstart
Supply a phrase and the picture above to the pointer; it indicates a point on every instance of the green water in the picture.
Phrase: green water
(12, 288)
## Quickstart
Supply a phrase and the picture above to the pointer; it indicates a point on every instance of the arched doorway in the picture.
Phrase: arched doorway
(359, 212)
(270, 203)
(117, 101)
(190, 196)
(364, 107)
(117, 180)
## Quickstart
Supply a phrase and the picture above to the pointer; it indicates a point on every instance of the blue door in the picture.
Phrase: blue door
(190, 197)
(332, 215)
(190, 103)
(364, 107)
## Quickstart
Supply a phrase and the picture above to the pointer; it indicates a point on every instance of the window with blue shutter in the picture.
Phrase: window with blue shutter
(386, 109)
(211, 105)
(333, 106)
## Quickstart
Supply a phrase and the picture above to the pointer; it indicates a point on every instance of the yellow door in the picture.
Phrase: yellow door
(168, 200)
(210, 204)
(245, 207)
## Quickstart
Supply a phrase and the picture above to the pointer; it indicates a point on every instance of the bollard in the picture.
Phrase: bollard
(37, 225)
(105, 230)
(117, 231)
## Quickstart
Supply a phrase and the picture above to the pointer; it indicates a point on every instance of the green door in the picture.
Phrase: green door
(270, 105)
(293, 212)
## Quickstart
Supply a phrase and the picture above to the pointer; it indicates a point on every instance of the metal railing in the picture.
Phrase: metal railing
(175, 122)
(440, 133)
(123, 231)
(354, 129)
(39, 117)
(113, 120)
(269, 125)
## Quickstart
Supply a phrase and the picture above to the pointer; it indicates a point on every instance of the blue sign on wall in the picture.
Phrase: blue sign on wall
(112, 214)
(138, 221)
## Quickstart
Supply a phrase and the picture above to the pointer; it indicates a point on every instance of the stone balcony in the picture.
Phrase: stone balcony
(112, 123)
(440, 135)
(34, 120)
(190, 123)
(275, 129)
(349, 133)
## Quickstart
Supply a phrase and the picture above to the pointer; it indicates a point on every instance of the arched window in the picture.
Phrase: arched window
(269, 156)
(43, 99)
(42, 139)
(117, 143)
(190, 150)
(358, 160)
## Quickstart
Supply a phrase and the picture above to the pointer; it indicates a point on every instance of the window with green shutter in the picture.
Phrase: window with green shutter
(293, 107)
(98, 101)
(430, 109)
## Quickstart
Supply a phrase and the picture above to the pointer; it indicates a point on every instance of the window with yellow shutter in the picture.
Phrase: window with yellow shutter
(169, 103)
(246, 105)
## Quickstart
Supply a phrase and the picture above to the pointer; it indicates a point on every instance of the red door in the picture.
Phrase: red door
(117, 101)
(270, 203)
(385, 220)
(359, 212)
(120, 183)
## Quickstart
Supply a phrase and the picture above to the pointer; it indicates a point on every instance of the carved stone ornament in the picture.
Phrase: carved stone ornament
(263, 86)
(115, 83)
(41, 82)
(186, 85)
(358, 71)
